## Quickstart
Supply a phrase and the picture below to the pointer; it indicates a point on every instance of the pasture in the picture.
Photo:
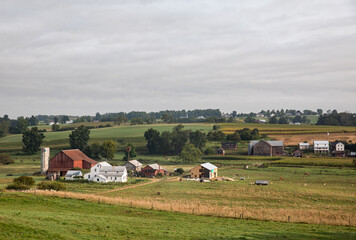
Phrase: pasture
(26, 216)
(121, 134)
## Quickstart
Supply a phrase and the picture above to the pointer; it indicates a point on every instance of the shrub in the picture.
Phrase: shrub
(209, 151)
(16, 186)
(159, 175)
(180, 170)
(47, 185)
(5, 159)
(24, 180)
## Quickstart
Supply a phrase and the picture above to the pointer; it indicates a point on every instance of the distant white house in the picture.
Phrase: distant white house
(69, 122)
(73, 174)
(304, 146)
(321, 146)
(104, 172)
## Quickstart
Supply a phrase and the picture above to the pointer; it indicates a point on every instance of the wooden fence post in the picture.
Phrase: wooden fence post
(99, 200)
(288, 218)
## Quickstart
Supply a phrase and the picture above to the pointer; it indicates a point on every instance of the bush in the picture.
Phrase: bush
(159, 175)
(47, 185)
(24, 180)
(180, 170)
(6, 159)
(209, 151)
(16, 186)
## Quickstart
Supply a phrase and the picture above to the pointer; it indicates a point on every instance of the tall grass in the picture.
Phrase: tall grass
(314, 216)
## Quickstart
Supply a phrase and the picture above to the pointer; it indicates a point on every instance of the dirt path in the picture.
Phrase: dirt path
(132, 186)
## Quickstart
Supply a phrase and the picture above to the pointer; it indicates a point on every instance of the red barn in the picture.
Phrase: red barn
(152, 170)
(68, 159)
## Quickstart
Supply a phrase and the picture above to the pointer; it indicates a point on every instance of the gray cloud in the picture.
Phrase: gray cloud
(80, 57)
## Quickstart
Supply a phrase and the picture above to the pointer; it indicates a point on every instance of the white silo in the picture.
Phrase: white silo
(44, 160)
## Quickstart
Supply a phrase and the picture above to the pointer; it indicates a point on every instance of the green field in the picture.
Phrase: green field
(26, 216)
(122, 134)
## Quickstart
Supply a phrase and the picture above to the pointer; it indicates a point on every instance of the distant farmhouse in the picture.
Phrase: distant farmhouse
(204, 171)
(103, 172)
(152, 170)
(304, 146)
(321, 146)
(338, 149)
(67, 160)
(265, 148)
(133, 166)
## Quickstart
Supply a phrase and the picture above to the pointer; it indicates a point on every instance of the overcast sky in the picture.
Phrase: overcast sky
(82, 57)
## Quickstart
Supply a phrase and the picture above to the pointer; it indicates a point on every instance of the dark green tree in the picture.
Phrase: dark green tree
(190, 153)
(56, 120)
(64, 119)
(107, 149)
(282, 120)
(179, 138)
(79, 138)
(152, 137)
(93, 150)
(273, 120)
(234, 137)
(131, 152)
(32, 121)
(198, 139)
(32, 140)
(55, 127)
(22, 124)
(165, 143)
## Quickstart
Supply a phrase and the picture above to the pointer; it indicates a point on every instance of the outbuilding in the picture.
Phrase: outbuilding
(73, 175)
(204, 171)
(68, 159)
(152, 170)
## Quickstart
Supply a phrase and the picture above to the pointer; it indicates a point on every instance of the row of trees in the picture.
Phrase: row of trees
(337, 119)
(173, 142)
(15, 125)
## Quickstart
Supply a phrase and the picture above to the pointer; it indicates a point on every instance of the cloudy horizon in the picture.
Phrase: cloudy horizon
(83, 57)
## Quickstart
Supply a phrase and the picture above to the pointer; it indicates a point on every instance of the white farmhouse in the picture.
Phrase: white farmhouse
(104, 172)
(304, 146)
(73, 174)
(321, 146)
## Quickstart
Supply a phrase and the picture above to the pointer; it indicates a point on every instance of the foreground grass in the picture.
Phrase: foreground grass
(26, 216)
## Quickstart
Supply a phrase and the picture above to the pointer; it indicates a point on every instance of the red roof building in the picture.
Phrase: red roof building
(152, 170)
(69, 159)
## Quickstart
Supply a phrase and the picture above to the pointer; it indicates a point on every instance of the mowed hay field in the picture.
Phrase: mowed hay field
(326, 196)
(24, 216)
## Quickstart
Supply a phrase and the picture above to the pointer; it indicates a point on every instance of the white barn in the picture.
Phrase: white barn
(104, 172)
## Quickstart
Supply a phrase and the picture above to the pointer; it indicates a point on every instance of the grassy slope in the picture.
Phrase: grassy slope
(60, 139)
(36, 217)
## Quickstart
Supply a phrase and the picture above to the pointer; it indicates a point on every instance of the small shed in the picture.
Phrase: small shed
(220, 151)
(152, 170)
(260, 182)
(298, 153)
(73, 175)
(304, 146)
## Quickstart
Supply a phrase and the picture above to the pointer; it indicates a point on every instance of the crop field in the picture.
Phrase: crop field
(286, 129)
(295, 139)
